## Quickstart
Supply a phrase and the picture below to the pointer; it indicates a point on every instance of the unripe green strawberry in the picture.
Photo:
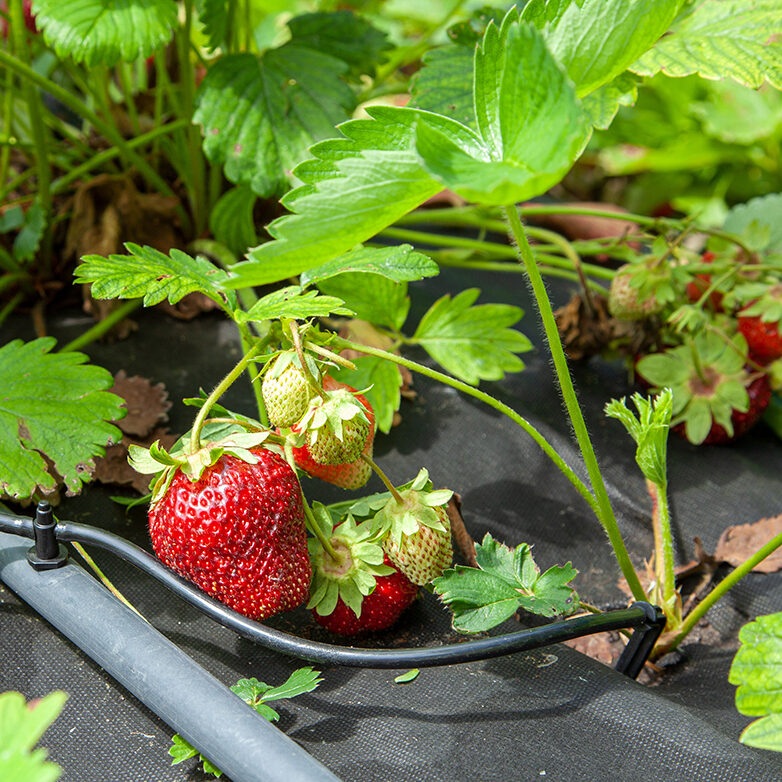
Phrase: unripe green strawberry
(286, 392)
(424, 555)
(623, 299)
(336, 428)
(416, 531)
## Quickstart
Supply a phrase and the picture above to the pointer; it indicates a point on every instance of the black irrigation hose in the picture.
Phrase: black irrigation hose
(646, 618)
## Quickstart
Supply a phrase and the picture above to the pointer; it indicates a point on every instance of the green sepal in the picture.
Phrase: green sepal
(417, 510)
(355, 576)
(328, 413)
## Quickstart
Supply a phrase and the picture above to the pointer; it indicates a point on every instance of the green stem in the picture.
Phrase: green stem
(501, 407)
(37, 127)
(663, 539)
(104, 128)
(439, 240)
(383, 477)
(726, 584)
(220, 389)
(197, 194)
(5, 152)
(254, 372)
(7, 280)
(104, 580)
(103, 326)
(314, 528)
(127, 88)
(605, 512)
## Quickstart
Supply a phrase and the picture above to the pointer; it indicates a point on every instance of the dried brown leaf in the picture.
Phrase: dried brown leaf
(738, 543)
(147, 404)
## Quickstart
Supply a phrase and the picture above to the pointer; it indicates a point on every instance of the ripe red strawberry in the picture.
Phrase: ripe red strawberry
(416, 531)
(354, 585)
(759, 391)
(348, 475)
(286, 391)
(379, 610)
(237, 532)
(764, 339)
(700, 285)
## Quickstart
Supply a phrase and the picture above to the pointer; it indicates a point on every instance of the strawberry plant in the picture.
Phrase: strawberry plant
(498, 116)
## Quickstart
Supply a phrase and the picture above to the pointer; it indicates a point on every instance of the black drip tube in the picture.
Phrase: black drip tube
(647, 620)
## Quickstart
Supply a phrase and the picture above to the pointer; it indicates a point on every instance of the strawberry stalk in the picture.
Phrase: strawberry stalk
(605, 513)
(296, 339)
(220, 389)
(663, 546)
(383, 477)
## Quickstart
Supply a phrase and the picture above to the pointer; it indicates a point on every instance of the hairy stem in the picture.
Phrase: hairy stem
(604, 512)
(220, 389)
(383, 477)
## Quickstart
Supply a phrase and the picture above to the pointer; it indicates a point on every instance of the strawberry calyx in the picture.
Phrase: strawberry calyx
(417, 509)
(287, 388)
(156, 461)
(352, 574)
(335, 427)
(708, 379)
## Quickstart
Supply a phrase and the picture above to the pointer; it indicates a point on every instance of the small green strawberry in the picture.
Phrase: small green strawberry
(416, 530)
(286, 390)
(626, 300)
(336, 427)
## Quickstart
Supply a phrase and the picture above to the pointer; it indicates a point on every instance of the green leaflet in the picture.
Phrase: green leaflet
(58, 407)
(293, 302)
(399, 263)
(372, 297)
(504, 581)
(106, 31)
(597, 40)
(343, 35)
(149, 273)
(756, 670)
(727, 39)
(602, 105)
(231, 220)
(763, 212)
(530, 126)
(214, 18)
(473, 343)
(260, 113)
(353, 188)
(21, 726)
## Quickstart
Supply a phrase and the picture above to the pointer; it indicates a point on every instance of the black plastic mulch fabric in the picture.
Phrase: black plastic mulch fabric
(551, 713)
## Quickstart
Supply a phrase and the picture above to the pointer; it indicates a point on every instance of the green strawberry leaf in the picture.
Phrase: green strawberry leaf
(105, 31)
(149, 273)
(400, 263)
(181, 750)
(214, 19)
(727, 39)
(444, 84)
(28, 239)
(473, 343)
(527, 138)
(756, 670)
(762, 212)
(344, 36)
(595, 41)
(504, 581)
(294, 302)
(371, 297)
(602, 105)
(409, 676)
(382, 380)
(53, 406)
(231, 220)
(21, 726)
(649, 430)
(353, 188)
(260, 113)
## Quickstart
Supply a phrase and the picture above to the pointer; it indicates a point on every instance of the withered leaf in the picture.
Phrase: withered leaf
(738, 543)
(147, 404)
